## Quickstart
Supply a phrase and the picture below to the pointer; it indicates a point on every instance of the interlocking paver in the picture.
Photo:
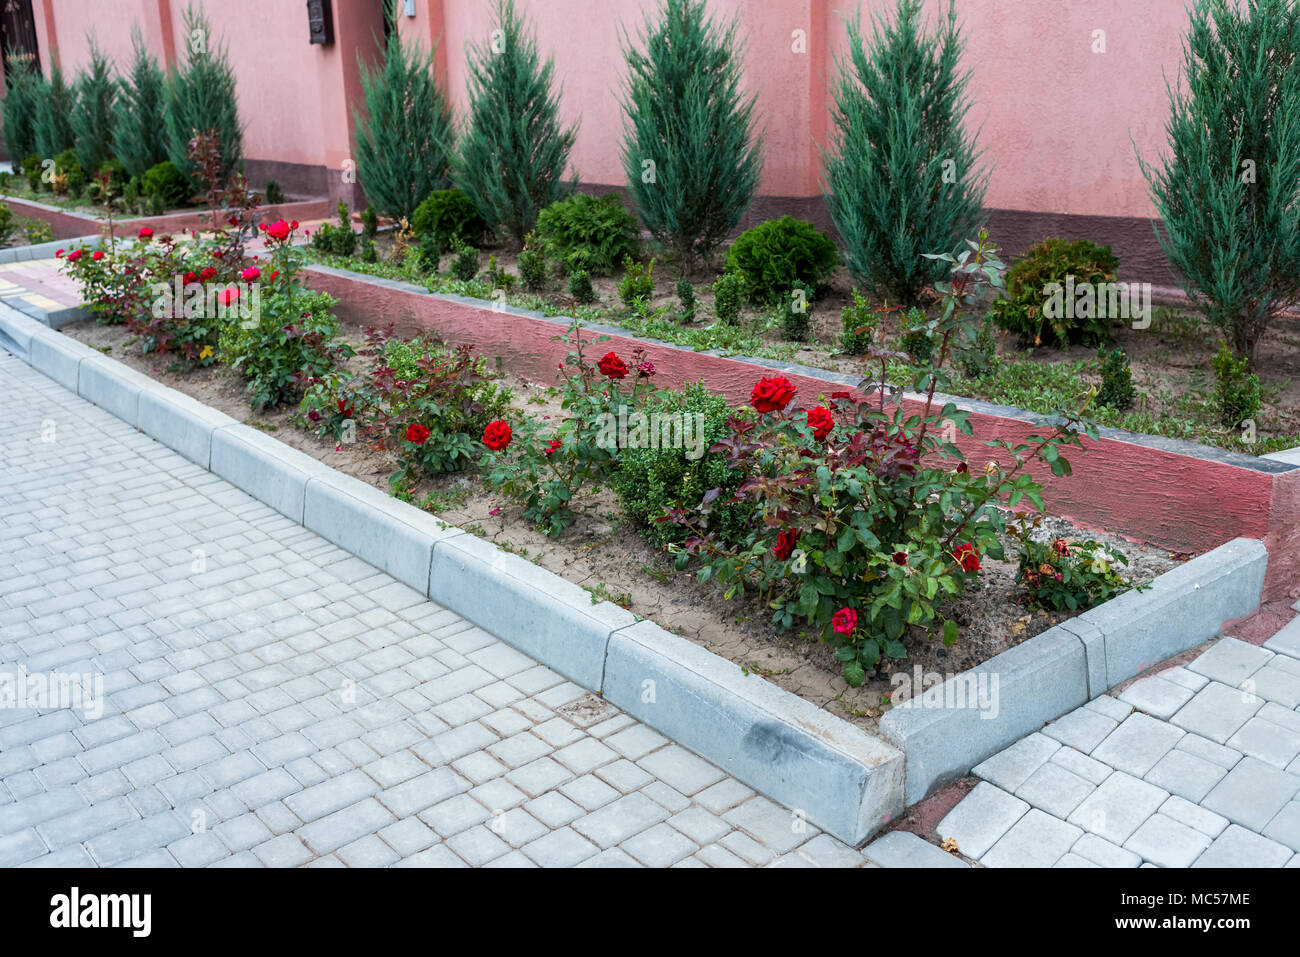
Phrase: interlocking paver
(1137, 744)
(1252, 793)
(1037, 840)
(1166, 842)
(980, 820)
(1238, 847)
(1217, 711)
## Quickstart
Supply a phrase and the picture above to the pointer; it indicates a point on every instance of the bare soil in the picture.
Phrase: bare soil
(604, 554)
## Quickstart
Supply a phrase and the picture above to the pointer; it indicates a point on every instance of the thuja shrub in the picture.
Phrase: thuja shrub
(93, 114)
(902, 178)
(637, 286)
(336, 240)
(1116, 390)
(1226, 191)
(866, 521)
(165, 184)
(139, 140)
(201, 96)
(1040, 305)
(692, 152)
(514, 152)
(728, 296)
(21, 104)
(53, 125)
(778, 253)
(594, 233)
(652, 479)
(405, 138)
(858, 323)
(552, 471)
(1237, 393)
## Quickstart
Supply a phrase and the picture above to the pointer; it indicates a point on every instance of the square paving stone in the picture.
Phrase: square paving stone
(1278, 681)
(1217, 711)
(660, 846)
(1011, 768)
(1252, 793)
(1157, 696)
(1166, 842)
(1104, 853)
(1287, 641)
(1285, 827)
(1082, 728)
(1238, 847)
(1119, 805)
(1036, 840)
(1074, 860)
(905, 849)
(1055, 790)
(981, 818)
(1231, 661)
(1183, 773)
(1267, 742)
(1076, 762)
(1194, 816)
(1137, 744)
(1208, 750)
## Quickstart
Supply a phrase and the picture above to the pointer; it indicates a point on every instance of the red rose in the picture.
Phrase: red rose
(497, 435)
(841, 395)
(645, 370)
(74, 255)
(345, 409)
(821, 422)
(59, 254)
(844, 621)
(554, 446)
(145, 232)
(279, 231)
(962, 468)
(1060, 546)
(612, 366)
(294, 224)
(229, 295)
(251, 273)
(784, 546)
(772, 395)
(188, 278)
(415, 432)
(97, 255)
(968, 557)
(900, 558)
(208, 273)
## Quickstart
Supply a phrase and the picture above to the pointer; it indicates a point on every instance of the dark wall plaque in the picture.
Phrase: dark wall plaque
(320, 20)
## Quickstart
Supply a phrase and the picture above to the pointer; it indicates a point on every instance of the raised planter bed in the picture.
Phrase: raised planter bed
(1181, 496)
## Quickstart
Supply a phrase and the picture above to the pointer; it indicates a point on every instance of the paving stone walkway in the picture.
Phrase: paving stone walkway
(269, 700)
(1196, 766)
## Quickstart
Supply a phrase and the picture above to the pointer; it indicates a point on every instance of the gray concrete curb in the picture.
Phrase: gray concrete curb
(950, 728)
(844, 781)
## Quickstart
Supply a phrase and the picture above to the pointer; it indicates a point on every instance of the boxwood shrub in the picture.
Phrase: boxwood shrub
(771, 257)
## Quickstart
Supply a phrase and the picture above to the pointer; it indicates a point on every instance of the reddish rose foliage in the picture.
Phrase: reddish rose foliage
(772, 394)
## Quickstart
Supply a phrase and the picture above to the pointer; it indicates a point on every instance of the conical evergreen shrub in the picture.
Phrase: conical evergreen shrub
(901, 177)
(514, 152)
(92, 114)
(22, 100)
(692, 155)
(200, 97)
(139, 136)
(53, 126)
(1229, 191)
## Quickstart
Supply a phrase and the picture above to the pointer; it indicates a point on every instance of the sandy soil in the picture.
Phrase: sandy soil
(602, 553)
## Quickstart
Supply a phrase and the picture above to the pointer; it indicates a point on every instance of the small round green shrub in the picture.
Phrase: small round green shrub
(580, 287)
(796, 313)
(1116, 380)
(533, 265)
(1237, 393)
(637, 287)
(858, 324)
(648, 481)
(594, 233)
(686, 296)
(465, 266)
(164, 185)
(914, 339)
(448, 215)
(773, 256)
(32, 173)
(1026, 306)
(66, 165)
(728, 293)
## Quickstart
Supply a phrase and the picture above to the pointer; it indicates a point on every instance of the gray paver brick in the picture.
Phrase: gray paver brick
(904, 849)
(1118, 806)
(1166, 842)
(981, 818)
(1238, 847)
(1137, 744)
(1036, 840)
(1252, 793)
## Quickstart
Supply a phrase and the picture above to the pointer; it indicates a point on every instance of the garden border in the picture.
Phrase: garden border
(843, 779)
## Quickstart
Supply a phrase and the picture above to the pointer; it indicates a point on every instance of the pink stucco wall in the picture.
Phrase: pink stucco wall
(1058, 121)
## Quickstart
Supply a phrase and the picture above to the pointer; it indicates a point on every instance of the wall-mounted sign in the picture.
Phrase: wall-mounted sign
(320, 20)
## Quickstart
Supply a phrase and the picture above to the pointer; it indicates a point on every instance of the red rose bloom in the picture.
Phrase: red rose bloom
(968, 557)
(784, 546)
(415, 432)
(345, 409)
(963, 468)
(772, 395)
(188, 278)
(59, 254)
(844, 621)
(612, 366)
(230, 295)
(251, 273)
(900, 558)
(821, 422)
(74, 255)
(145, 232)
(554, 446)
(1060, 546)
(279, 231)
(97, 255)
(497, 435)
(646, 370)
(208, 273)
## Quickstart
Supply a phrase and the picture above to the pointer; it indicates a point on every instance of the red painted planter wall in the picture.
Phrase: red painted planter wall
(66, 225)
